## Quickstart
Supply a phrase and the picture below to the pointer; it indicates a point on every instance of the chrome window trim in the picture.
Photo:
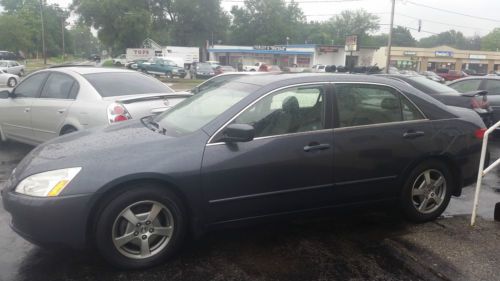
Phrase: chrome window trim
(257, 100)
(381, 124)
(209, 142)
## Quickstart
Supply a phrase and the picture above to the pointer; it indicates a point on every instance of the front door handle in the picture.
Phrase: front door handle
(314, 147)
(61, 111)
(413, 134)
(27, 109)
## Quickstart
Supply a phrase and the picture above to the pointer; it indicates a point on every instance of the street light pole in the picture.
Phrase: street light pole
(43, 34)
(62, 32)
(389, 43)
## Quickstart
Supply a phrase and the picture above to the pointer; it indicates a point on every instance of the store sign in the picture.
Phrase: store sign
(477, 57)
(270, 48)
(351, 43)
(328, 49)
(410, 53)
(445, 54)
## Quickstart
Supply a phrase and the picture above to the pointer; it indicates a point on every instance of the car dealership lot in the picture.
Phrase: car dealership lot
(373, 245)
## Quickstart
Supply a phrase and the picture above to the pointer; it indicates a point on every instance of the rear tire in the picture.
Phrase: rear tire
(427, 191)
(68, 130)
(12, 82)
(150, 239)
(169, 75)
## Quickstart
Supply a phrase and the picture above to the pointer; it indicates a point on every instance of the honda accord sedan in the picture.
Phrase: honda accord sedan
(61, 100)
(258, 147)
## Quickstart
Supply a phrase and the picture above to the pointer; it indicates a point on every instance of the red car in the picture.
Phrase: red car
(450, 75)
(223, 69)
(269, 68)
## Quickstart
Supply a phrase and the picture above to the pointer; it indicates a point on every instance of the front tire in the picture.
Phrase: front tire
(141, 227)
(12, 82)
(427, 191)
(169, 75)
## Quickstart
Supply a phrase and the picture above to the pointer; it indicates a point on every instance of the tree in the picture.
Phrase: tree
(491, 42)
(266, 22)
(451, 38)
(14, 35)
(358, 22)
(401, 37)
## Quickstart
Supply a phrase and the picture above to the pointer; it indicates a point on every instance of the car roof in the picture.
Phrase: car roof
(268, 78)
(82, 70)
(487, 77)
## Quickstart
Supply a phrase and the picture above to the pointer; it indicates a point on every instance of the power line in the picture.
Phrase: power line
(442, 23)
(452, 12)
(301, 1)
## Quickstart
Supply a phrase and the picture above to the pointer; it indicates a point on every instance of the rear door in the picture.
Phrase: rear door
(493, 88)
(15, 115)
(50, 110)
(378, 134)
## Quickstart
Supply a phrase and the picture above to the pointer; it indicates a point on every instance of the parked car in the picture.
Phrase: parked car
(135, 64)
(433, 76)
(12, 67)
(450, 75)
(254, 67)
(223, 69)
(120, 60)
(95, 57)
(10, 80)
(58, 101)
(258, 147)
(269, 68)
(204, 71)
(160, 66)
(475, 100)
(319, 68)
(6, 55)
(491, 84)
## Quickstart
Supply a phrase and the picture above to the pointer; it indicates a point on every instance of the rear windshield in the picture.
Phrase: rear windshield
(428, 86)
(112, 84)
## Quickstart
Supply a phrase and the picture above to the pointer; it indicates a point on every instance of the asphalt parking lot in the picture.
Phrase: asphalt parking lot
(368, 245)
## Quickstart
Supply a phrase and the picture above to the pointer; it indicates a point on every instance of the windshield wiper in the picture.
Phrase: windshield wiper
(153, 125)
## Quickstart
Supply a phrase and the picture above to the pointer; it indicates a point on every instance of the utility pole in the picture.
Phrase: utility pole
(389, 44)
(63, 23)
(43, 33)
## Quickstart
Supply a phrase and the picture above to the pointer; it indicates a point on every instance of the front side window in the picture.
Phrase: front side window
(30, 87)
(466, 85)
(298, 109)
(359, 105)
(58, 86)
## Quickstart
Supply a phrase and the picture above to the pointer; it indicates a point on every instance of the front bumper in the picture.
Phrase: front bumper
(49, 221)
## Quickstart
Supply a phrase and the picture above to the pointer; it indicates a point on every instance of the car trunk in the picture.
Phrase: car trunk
(143, 105)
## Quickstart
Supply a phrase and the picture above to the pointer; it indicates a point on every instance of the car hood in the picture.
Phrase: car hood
(114, 148)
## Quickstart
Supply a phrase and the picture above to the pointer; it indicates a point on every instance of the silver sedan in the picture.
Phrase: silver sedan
(57, 101)
(7, 79)
(12, 67)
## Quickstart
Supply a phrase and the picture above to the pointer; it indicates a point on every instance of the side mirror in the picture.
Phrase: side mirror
(4, 94)
(238, 133)
(195, 90)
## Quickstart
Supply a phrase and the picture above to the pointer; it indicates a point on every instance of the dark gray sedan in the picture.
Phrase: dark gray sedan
(258, 147)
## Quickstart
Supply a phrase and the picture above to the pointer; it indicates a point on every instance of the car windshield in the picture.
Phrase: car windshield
(429, 86)
(197, 111)
(111, 84)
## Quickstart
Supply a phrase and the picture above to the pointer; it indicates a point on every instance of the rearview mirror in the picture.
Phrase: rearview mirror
(238, 133)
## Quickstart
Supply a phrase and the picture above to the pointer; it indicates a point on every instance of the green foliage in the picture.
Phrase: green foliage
(265, 22)
(491, 42)
(451, 38)
(12, 27)
(358, 22)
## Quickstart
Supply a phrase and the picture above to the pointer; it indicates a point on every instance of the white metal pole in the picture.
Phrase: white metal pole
(389, 43)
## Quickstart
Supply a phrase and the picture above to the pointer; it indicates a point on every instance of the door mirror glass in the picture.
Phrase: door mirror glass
(4, 94)
(238, 133)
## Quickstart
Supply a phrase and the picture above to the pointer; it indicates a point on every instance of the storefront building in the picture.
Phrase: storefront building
(422, 59)
(303, 56)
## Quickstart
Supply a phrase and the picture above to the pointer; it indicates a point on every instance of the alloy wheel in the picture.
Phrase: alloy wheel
(143, 229)
(428, 191)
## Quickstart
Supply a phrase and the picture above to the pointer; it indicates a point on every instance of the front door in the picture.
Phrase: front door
(378, 134)
(15, 114)
(287, 167)
(50, 110)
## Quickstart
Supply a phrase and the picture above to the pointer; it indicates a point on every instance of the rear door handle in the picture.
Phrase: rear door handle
(27, 109)
(61, 111)
(413, 134)
(314, 147)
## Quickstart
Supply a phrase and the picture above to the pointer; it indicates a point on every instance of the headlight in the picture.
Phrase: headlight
(199, 73)
(47, 184)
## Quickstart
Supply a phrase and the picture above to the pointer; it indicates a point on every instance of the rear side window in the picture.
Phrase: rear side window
(493, 87)
(31, 86)
(359, 105)
(467, 85)
(58, 86)
(112, 84)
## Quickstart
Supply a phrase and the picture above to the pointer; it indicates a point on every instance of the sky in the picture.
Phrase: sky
(407, 14)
